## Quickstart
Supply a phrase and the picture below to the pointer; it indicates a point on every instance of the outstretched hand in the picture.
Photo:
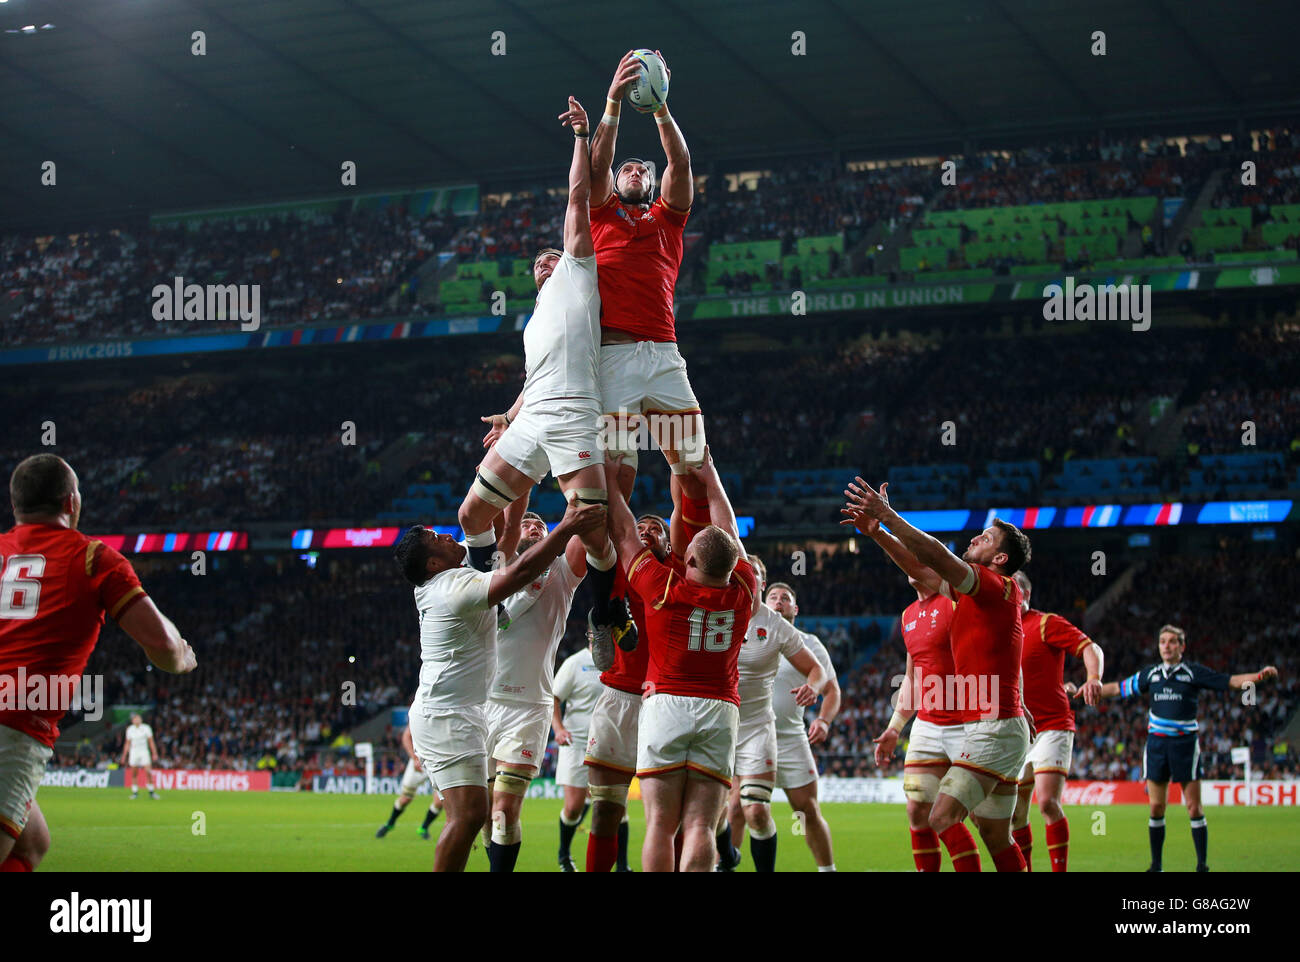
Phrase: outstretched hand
(864, 498)
(627, 70)
(575, 117)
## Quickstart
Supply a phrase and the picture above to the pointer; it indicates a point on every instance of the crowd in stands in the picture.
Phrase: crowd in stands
(99, 283)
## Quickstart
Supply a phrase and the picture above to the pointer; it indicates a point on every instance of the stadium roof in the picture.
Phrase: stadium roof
(410, 89)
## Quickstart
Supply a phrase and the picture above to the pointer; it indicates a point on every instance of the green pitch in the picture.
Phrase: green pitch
(102, 830)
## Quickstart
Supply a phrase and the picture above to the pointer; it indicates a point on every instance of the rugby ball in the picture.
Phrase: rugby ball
(649, 91)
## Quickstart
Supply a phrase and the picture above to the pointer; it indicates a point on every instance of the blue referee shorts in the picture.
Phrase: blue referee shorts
(1172, 758)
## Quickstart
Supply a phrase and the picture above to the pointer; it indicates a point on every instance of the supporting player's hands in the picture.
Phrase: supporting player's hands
(563, 736)
(1266, 673)
(580, 519)
(863, 497)
(627, 70)
(575, 117)
(885, 743)
(818, 731)
(188, 661)
(706, 472)
(859, 519)
(498, 428)
(804, 695)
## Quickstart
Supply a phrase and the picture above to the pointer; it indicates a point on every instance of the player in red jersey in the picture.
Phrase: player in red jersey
(1047, 638)
(938, 731)
(615, 721)
(695, 625)
(56, 585)
(639, 245)
(986, 638)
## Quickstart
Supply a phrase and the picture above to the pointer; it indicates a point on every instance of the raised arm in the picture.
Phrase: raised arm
(605, 138)
(720, 513)
(154, 632)
(621, 524)
(577, 217)
(904, 559)
(577, 520)
(929, 551)
(677, 187)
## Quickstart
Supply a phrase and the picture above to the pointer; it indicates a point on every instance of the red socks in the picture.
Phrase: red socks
(16, 863)
(602, 852)
(1010, 859)
(925, 850)
(1058, 844)
(1024, 837)
(961, 848)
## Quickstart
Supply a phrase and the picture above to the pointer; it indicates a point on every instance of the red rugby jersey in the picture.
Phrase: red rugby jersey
(987, 638)
(694, 631)
(628, 673)
(638, 255)
(925, 633)
(1047, 638)
(57, 586)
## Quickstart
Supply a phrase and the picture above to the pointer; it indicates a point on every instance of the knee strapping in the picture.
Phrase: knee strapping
(614, 794)
(755, 793)
(587, 495)
(996, 806)
(922, 788)
(490, 488)
(506, 834)
(964, 787)
(508, 783)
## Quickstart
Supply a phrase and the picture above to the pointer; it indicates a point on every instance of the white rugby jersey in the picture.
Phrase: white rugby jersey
(562, 338)
(137, 737)
(578, 685)
(769, 640)
(789, 715)
(458, 635)
(526, 647)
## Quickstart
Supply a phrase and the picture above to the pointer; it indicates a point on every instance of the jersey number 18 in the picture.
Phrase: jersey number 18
(711, 630)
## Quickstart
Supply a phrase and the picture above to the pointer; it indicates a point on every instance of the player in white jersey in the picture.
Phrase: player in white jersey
(796, 769)
(458, 640)
(522, 695)
(413, 779)
(769, 640)
(577, 687)
(139, 752)
(555, 423)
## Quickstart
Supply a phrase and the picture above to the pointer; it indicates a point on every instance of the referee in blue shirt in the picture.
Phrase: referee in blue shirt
(1173, 748)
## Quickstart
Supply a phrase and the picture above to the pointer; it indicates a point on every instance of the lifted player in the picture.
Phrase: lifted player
(59, 585)
(1047, 638)
(768, 640)
(638, 244)
(796, 769)
(577, 687)
(986, 643)
(555, 423)
(412, 779)
(1173, 748)
(521, 698)
(139, 752)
